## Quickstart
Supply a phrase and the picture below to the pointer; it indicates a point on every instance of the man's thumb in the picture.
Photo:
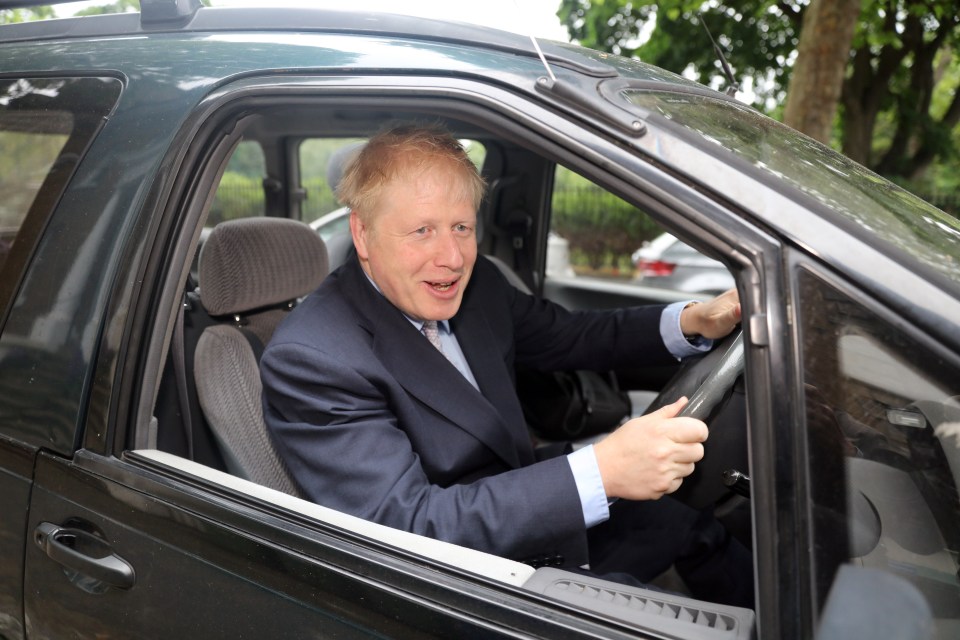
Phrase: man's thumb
(671, 410)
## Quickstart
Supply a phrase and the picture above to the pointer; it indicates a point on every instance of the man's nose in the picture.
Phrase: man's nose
(449, 252)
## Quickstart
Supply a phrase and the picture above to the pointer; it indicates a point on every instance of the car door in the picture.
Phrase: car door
(111, 542)
(46, 123)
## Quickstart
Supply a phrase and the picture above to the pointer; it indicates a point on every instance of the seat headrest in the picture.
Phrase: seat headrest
(259, 262)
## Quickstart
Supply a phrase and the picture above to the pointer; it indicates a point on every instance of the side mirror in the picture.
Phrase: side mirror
(869, 603)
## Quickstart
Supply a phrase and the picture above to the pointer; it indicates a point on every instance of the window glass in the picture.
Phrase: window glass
(33, 132)
(595, 234)
(46, 127)
(883, 427)
(920, 230)
(25, 158)
(322, 161)
(240, 192)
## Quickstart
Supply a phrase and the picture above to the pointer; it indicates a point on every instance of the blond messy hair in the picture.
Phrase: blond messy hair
(406, 151)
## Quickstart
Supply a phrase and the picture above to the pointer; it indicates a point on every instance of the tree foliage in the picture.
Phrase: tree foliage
(602, 229)
(899, 102)
(10, 16)
(119, 6)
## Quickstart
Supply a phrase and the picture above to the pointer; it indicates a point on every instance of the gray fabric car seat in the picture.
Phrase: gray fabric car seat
(252, 272)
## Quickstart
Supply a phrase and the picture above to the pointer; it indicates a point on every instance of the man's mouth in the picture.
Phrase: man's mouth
(441, 286)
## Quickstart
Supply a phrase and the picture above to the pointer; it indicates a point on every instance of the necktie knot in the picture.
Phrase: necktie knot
(432, 331)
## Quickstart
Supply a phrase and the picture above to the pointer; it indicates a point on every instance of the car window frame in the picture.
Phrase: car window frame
(549, 134)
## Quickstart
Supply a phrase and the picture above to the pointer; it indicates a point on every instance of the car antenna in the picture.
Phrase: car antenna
(732, 86)
(536, 45)
(584, 101)
(543, 58)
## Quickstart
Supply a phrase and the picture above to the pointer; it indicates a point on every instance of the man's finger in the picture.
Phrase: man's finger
(672, 409)
(687, 430)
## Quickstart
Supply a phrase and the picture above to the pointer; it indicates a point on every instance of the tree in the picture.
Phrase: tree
(899, 66)
(893, 72)
(826, 38)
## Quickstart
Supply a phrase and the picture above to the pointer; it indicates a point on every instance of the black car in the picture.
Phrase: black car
(130, 505)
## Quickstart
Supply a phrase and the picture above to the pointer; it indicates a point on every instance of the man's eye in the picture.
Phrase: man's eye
(462, 228)
(421, 231)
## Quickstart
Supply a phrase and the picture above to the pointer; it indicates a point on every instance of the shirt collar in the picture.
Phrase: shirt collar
(442, 325)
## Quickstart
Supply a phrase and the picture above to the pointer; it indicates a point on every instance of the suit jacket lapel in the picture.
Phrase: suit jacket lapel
(405, 353)
(496, 381)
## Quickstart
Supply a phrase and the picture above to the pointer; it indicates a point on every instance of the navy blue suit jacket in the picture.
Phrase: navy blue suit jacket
(373, 421)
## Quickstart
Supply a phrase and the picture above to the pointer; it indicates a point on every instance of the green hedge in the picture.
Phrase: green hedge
(602, 229)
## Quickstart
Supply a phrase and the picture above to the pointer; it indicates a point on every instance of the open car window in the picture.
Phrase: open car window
(594, 234)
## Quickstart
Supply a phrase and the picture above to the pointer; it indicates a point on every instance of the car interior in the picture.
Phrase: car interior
(246, 272)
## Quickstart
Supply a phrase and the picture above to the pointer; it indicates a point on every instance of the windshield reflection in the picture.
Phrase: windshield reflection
(898, 217)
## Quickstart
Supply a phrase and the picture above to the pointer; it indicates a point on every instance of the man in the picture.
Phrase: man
(374, 420)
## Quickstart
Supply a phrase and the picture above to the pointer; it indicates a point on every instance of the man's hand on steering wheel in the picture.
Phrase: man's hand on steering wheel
(712, 319)
(650, 456)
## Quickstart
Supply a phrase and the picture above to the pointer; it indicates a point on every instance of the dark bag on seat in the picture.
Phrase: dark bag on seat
(568, 405)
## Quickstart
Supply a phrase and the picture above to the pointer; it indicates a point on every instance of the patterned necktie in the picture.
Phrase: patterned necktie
(432, 332)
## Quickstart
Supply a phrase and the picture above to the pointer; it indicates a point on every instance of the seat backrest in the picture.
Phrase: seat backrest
(252, 272)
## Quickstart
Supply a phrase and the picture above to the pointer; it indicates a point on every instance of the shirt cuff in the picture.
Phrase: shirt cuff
(673, 339)
(586, 473)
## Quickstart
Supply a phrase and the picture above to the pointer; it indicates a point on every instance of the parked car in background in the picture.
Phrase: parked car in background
(669, 263)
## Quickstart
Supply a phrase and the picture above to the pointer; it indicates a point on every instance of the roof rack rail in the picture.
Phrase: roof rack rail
(154, 12)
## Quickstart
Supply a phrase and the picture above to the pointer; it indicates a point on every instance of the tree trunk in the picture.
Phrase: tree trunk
(822, 55)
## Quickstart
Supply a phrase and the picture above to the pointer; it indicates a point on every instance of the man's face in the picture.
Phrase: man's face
(419, 245)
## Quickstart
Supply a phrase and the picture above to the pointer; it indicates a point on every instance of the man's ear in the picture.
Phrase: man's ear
(360, 232)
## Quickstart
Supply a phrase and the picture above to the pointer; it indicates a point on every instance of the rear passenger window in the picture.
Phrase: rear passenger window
(46, 124)
(322, 161)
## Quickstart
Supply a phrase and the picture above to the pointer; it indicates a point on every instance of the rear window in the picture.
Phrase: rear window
(46, 125)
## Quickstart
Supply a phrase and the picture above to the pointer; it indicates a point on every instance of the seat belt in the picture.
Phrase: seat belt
(180, 373)
(255, 343)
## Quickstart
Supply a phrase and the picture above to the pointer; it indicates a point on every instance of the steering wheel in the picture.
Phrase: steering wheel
(710, 384)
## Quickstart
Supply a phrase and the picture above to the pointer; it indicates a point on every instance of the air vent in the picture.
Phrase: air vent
(649, 605)
(655, 611)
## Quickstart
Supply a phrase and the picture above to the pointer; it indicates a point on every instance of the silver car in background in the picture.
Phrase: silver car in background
(667, 263)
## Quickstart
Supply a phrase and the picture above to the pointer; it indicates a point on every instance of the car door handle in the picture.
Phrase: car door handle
(84, 553)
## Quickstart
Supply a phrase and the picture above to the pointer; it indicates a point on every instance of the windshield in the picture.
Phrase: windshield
(929, 235)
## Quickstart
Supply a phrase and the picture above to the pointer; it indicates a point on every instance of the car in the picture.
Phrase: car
(130, 509)
(670, 263)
